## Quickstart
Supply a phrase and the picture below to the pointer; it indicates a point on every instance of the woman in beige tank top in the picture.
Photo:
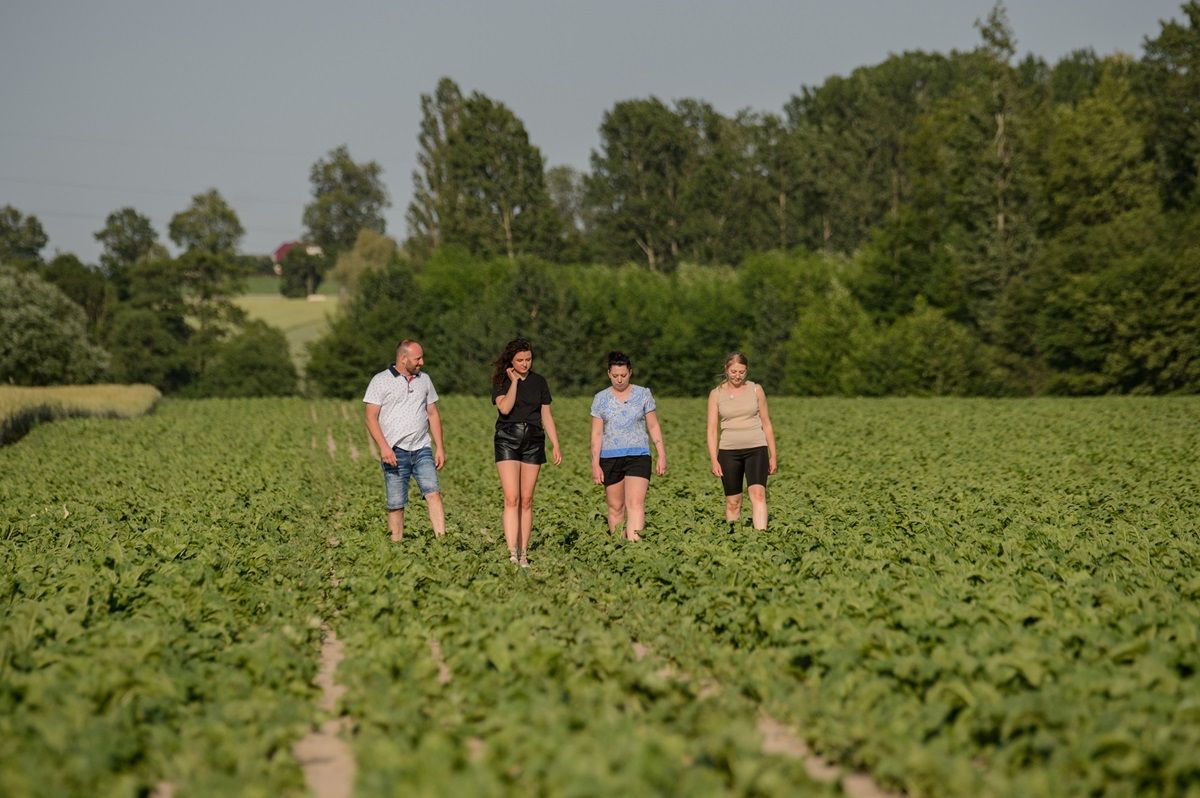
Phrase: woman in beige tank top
(745, 446)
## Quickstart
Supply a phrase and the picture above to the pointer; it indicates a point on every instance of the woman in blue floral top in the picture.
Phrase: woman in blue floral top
(623, 425)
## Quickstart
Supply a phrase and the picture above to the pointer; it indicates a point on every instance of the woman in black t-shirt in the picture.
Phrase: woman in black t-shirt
(523, 400)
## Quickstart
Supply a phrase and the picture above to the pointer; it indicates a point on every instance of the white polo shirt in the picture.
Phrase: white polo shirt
(403, 407)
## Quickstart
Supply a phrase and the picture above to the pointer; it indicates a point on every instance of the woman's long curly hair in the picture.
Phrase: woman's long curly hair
(501, 364)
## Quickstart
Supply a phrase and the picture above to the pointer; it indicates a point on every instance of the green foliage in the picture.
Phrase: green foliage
(960, 597)
(148, 346)
(208, 225)
(1126, 322)
(496, 180)
(1170, 82)
(85, 286)
(371, 252)
(21, 238)
(254, 362)
(347, 197)
(434, 200)
(302, 273)
(128, 238)
(43, 334)
(923, 354)
(637, 182)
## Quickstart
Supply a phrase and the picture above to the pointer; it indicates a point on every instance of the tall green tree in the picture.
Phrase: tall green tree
(498, 179)
(782, 184)
(127, 238)
(567, 189)
(637, 183)
(347, 197)
(855, 130)
(85, 286)
(722, 199)
(975, 173)
(21, 238)
(208, 225)
(435, 200)
(1171, 81)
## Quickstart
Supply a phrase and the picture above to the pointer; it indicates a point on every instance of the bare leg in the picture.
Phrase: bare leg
(510, 483)
(437, 513)
(614, 495)
(635, 502)
(733, 507)
(395, 520)
(758, 506)
(529, 477)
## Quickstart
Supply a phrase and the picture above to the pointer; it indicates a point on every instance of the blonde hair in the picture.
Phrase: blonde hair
(732, 357)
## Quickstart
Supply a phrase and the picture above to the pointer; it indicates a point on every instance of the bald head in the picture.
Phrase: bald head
(409, 356)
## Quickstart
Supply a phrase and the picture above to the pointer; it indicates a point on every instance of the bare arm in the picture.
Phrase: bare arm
(506, 400)
(385, 450)
(435, 431)
(597, 437)
(765, 418)
(656, 437)
(551, 433)
(713, 429)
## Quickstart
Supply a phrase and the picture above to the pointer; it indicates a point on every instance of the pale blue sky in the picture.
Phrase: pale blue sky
(146, 102)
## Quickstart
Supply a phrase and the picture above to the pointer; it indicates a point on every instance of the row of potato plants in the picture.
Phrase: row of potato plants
(962, 597)
(159, 579)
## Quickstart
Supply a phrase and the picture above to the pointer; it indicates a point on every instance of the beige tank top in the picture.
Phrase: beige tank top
(741, 428)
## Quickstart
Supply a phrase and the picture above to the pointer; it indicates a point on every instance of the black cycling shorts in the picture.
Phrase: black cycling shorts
(736, 464)
(521, 441)
(617, 468)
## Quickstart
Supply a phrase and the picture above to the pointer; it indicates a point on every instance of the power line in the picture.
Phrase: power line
(93, 217)
(169, 145)
(155, 191)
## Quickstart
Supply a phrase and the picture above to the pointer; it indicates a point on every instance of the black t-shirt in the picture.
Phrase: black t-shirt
(532, 393)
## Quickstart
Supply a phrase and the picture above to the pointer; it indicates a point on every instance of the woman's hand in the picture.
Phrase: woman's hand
(660, 467)
(772, 464)
(557, 455)
(716, 469)
(597, 474)
(513, 376)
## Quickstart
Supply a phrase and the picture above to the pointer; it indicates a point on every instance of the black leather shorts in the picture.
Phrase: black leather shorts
(520, 441)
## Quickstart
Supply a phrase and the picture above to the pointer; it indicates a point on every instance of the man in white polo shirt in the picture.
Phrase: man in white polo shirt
(402, 417)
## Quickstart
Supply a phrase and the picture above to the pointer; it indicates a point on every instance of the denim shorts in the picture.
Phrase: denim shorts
(418, 465)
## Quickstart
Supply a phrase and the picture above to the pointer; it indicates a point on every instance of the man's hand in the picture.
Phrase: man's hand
(439, 459)
(388, 456)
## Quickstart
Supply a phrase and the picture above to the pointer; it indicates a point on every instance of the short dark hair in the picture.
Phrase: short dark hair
(619, 359)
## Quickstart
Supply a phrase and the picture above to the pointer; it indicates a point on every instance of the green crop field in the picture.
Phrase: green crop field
(956, 597)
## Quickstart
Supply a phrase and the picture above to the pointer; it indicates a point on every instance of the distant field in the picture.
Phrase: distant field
(266, 284)
(302, 320)
(21, 407)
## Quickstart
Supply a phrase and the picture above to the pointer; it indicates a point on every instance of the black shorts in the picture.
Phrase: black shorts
(617, 468)
(520, 441)
(753, 464)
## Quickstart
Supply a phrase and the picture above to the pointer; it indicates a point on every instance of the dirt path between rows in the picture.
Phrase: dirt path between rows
(325, 758)
(779, 740)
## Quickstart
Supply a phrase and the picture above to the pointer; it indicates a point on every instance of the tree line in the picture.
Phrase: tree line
(962, 223)
(143, 316)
